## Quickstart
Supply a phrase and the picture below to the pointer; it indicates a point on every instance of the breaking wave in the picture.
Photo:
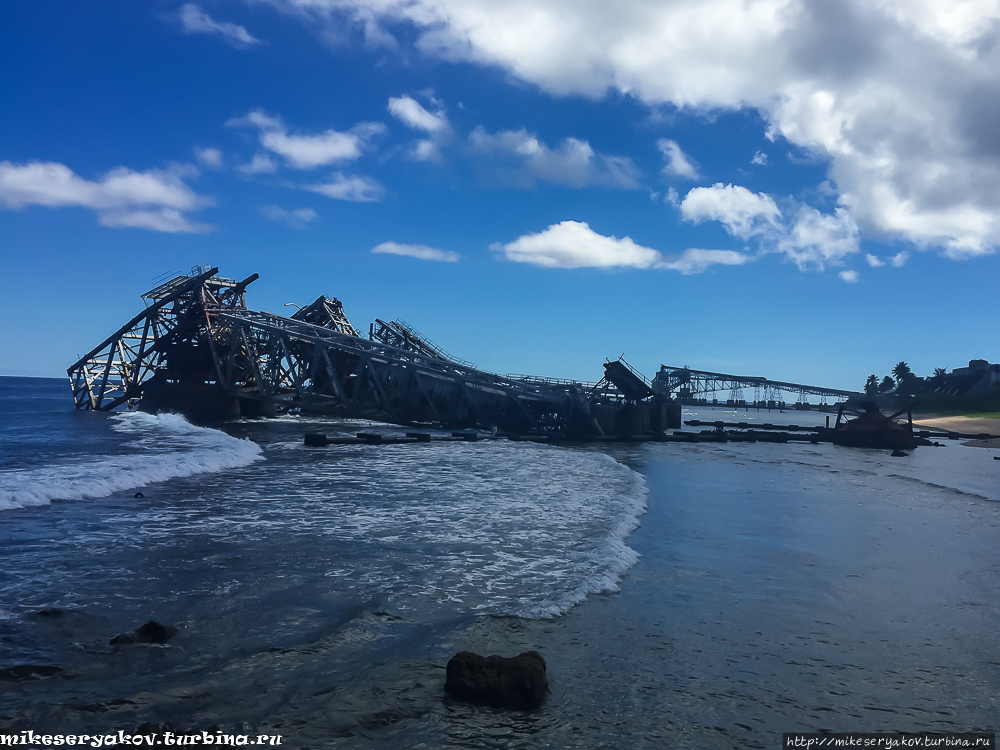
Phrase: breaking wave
(504, 528)
(162, 447)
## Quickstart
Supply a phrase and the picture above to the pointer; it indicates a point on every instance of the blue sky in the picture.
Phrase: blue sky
(803, 191)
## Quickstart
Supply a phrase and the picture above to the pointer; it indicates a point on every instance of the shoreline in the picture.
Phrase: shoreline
(826, 593)
(966, 425)
(988, 425)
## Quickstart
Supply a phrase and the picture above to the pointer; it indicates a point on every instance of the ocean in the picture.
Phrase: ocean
(683, 595)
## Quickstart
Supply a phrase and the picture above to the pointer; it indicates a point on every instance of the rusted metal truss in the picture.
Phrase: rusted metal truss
(299, 366)
(113, 372)
(198, 337)
(327, 313)
(403, 336)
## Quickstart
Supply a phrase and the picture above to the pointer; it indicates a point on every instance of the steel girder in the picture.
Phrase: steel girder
(112, 373)
(300, 366)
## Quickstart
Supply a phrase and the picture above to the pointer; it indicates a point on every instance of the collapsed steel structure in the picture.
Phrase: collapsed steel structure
(198, 349)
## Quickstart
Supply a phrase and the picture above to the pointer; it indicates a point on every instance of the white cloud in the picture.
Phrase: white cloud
(898, 97)
(759, 158)
(309, 151)
(678, 164)
(696, 260)
(518, 157)
(412, 114)
(743, 212)
(154, 199)
(573, 244)
(297, 218)
(196, 21)
(809, 238)
(816, 239)
(261, 164)
(851, 277)
(896, 261)
(209, 157)
(346, 188)
(423, 252)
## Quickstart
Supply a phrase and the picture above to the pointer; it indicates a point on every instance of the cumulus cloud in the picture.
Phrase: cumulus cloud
(518, 157)
(759, 158)
(573, 244)
(156, 199)
(874, 261)
(678, 164)
(807, 237)
(816, 240)
(898, 97)
(412, 114)
(423, 252)
(742, 212)
(297, 218)
(851, 277)
(303, 151)
(196, 21)
(355, 188)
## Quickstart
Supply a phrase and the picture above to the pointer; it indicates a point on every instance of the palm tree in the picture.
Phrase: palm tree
(886, 385)
(871, 385)
(902, 373)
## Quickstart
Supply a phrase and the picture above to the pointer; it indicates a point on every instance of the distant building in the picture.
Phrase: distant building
(979, 377)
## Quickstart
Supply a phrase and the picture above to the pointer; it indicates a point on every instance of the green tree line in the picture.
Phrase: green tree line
(903, 380)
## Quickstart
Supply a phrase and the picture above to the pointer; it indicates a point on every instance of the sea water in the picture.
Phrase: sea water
(684, 595)
(247, 540)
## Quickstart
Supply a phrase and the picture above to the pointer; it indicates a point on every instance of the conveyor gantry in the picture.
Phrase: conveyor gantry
(198, 349)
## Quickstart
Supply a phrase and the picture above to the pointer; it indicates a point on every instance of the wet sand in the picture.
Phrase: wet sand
(780, 589)
(959, 424)
(967, 425)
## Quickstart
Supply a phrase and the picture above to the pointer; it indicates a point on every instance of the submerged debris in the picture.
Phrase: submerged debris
(876, 424)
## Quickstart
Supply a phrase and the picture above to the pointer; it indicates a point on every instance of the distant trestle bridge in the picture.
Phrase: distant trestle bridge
(716, 388)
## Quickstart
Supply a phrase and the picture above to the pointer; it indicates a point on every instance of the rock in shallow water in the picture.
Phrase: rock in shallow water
(151, 632)
(518, 682)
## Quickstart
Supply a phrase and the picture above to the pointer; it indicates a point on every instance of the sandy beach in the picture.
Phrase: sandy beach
(967, 425)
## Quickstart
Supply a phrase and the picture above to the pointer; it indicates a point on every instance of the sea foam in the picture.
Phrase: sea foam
(498, 528)
(160, 447)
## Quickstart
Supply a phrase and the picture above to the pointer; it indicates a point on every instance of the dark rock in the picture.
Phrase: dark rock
(518, 682)
(315, 439)
(899, 454)
(139, 494)
(50, 612)
(151, 632)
